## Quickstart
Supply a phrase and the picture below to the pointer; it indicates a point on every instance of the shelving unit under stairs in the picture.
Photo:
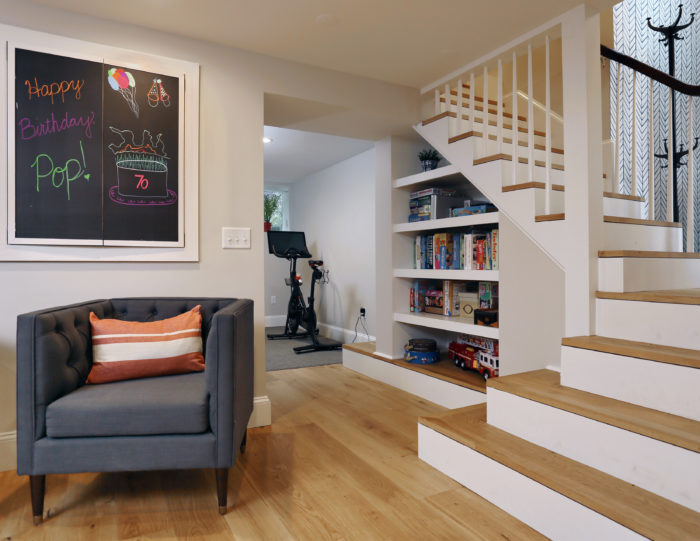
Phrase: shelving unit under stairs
(413, 272)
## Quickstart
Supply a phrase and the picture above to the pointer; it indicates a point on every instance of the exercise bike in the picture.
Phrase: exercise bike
(291, 245)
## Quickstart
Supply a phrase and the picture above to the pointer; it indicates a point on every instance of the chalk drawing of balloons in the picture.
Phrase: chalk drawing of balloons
(124, 83)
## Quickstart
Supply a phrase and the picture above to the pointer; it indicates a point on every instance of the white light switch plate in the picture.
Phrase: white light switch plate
(235, 237)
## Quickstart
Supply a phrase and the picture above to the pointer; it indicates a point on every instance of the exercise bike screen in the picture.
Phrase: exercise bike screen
(278, 242)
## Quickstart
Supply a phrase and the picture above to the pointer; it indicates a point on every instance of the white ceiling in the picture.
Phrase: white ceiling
(295, 154)
(408, 42)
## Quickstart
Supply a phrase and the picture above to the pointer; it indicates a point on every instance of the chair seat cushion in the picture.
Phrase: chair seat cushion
(162, 405)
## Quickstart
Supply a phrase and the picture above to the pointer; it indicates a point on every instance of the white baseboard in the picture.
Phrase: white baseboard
(262, 412)
(8, 450)
(343, 335)
(275, 321)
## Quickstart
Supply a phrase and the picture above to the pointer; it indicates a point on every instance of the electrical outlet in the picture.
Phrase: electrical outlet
(235, 237)
(273, 299)
(363, 312)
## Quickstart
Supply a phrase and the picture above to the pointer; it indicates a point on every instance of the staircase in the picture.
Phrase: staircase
(608, 448)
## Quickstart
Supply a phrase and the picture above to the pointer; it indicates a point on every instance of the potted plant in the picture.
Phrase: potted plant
(272, 201)
(429, 158)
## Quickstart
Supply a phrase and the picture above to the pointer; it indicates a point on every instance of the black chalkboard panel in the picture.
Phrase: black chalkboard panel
(58, 147)
(140, 155)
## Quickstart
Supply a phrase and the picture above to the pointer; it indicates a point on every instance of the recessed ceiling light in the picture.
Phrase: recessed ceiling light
(267, 140)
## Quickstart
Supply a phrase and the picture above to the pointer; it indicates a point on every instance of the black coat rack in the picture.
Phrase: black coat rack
(670, 35)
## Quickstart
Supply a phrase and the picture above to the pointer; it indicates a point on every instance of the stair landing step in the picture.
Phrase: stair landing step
(634, 508)
(648, 254)
(671, 296)
(639, 350)
(543, 386)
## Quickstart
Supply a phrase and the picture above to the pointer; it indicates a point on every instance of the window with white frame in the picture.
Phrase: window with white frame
(280, 218)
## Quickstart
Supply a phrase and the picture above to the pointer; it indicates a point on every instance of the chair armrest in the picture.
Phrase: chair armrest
(229, 376)
(54, 356)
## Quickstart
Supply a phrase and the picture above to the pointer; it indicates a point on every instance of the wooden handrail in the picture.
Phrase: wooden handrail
(652, 73)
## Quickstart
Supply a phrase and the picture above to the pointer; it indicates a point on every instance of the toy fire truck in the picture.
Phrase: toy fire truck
(468, 356)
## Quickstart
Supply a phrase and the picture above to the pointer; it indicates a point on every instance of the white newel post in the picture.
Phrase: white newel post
(634, 133)
(583, 166)
(530, 119)
(499, 108)
(650, 191)
(690, 215)
(515, 122)
(669, 170)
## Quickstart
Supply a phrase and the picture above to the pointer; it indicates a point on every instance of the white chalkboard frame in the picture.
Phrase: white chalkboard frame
(186, 248)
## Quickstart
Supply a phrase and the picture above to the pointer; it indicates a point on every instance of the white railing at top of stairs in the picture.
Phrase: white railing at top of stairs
(573, 242)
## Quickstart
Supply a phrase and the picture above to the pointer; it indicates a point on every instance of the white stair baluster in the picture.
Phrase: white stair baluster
(530, 119)
(690, 215)
(669, 169)
(448, 105)
(459, 107)
(548, 131)
(486, 110)
(634, 133)
(499, 107)
(437, 101)
(472, 110)
(514, 180)
(618, 139)
(650, 191)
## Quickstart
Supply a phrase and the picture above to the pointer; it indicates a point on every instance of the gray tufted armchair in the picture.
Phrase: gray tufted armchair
(185, 421)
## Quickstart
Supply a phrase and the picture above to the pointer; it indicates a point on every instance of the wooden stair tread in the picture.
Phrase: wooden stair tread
(506, 140)
(543, 386)
(550, 217)
(640, 221)
(639, 350)
(509, 158)
(671, 296)
(623, 196)
(637, 509)
(528, 185)
(443, 370)
(466, 95)
(610, 219)
(648, 254)
(478, 120)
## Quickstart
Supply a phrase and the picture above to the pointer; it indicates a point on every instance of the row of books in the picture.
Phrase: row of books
(445, 297)
(458, 251)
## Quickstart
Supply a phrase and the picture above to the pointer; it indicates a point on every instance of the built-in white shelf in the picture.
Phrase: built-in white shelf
(446, 323)
(425, 176)
(447, 223)
(448, 274)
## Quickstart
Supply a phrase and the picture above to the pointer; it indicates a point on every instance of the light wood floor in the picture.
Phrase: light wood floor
(339, 462)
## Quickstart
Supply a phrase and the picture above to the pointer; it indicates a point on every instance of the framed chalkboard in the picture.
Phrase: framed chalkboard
(95, 152)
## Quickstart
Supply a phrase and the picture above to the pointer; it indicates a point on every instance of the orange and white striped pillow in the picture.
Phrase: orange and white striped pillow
(129, 349)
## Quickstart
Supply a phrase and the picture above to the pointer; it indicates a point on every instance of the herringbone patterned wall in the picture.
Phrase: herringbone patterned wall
(634, 38)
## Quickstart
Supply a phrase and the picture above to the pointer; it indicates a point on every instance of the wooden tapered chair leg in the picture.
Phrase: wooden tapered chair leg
(222, 488)
(37, 486)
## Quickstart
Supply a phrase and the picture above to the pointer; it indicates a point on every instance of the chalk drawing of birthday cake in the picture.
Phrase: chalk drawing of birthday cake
(142, 170)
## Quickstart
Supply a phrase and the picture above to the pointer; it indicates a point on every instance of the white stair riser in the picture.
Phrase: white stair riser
(641, 237)
(660, 386)
(625, 274)
(524, 173)
(655, 322)
(438, 391)
(667, 470)
(534, 198)
(543, 509)
(612, 206)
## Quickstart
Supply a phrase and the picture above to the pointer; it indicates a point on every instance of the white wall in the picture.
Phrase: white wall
(335, 209)
(232, 88)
